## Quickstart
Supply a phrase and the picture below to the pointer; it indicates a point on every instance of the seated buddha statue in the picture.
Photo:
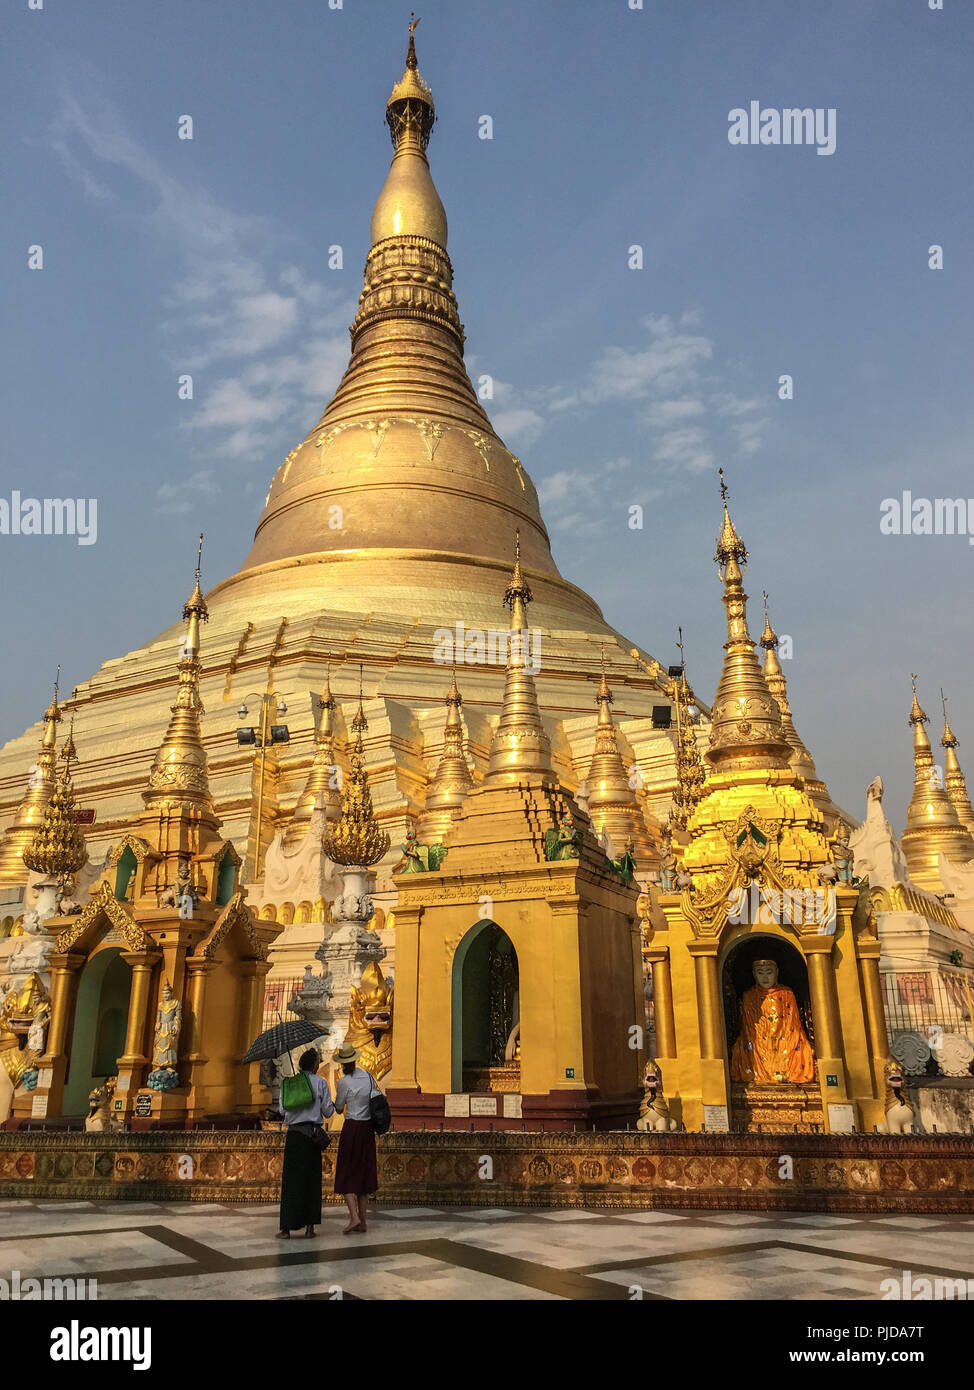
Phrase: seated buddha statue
(772, 1046)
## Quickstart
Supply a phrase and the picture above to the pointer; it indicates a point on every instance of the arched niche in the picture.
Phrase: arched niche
(98, 1035)
(737, 976)
(485, 1000)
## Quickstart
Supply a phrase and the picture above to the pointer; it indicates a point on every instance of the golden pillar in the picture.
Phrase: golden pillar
(710, 1023)
(251, 1095)
(868, 951)
(709, 1013)
(65, 968)
(658, 958)
(825, 1015)
(133, 1059)
(197, 969)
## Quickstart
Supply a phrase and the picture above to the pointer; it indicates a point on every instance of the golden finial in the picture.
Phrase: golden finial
(769, 638)
(517, 590)
(729, 544)
(409, 111)
(58, 849)
(949, 739)
(603, 696)
(917, 715)
(357, 839)
(451, 780)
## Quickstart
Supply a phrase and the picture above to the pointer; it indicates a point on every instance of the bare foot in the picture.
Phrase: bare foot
(284, 1235)
(309, 1233)
(360, 1227)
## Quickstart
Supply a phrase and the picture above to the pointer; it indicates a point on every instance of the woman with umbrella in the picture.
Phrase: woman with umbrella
(305, 1101)
(301, 1175)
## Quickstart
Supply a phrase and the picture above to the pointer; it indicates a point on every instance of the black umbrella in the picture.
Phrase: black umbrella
(291, 1033)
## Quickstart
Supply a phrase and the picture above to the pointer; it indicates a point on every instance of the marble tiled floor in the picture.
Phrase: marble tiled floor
(177, 1250)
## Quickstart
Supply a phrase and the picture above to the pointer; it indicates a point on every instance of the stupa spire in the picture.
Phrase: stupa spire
(954, 781)
(42, 779)
(612, 802)
(179, 771)
(322, 779)
(520, 747)
(746, 731)
(452, 780)
(932, 824)
(357, 840)
(405, 429)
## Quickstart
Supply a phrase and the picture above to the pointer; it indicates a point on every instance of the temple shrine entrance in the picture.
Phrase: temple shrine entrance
(486, 1012)
(770, 1045)
(98, 1037)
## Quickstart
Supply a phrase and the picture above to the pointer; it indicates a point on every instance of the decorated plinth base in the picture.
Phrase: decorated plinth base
(777, 1109)
(744, 1172)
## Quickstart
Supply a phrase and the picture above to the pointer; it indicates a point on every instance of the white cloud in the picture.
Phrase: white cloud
(261, 340)
(179, 498)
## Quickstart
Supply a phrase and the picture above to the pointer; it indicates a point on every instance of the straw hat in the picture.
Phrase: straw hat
(346, 1053)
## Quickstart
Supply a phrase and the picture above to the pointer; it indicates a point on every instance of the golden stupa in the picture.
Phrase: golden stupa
(392, 520)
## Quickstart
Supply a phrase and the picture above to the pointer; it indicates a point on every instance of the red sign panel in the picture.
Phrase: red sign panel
(85, 815)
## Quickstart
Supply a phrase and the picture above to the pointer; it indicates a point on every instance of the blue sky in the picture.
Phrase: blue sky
(616, 387)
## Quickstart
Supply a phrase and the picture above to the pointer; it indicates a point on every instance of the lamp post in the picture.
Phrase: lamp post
(251, 738)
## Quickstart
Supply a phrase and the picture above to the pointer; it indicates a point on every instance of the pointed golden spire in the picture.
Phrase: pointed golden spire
(40, 788)
(746, 731)
(179, 772)
(356, 840)
(58, 849)
(321, 778)
(409, 204)
(452, 780)
(519, 747)
(932, 824)
(801, 761)
(612, 803)
(954, 781)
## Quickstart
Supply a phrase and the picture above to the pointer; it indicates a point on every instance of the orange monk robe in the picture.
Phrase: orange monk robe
(772, 1045)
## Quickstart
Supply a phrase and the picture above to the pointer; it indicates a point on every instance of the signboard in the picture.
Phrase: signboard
(143, 1105)
(85, 815)
(715, 1119)
(483, 1105)
(512, 1106)
(842, 1119)
(456, 1105)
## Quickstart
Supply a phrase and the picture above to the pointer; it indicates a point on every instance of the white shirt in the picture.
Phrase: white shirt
(354, 1091)
(319, 1109)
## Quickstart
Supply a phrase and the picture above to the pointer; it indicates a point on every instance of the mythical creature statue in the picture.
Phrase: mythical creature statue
(370, 1021)
(625, 865)
(417, 858)
(100, 1118)
(565, 842)
(654, 1112)
(899, 1111)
